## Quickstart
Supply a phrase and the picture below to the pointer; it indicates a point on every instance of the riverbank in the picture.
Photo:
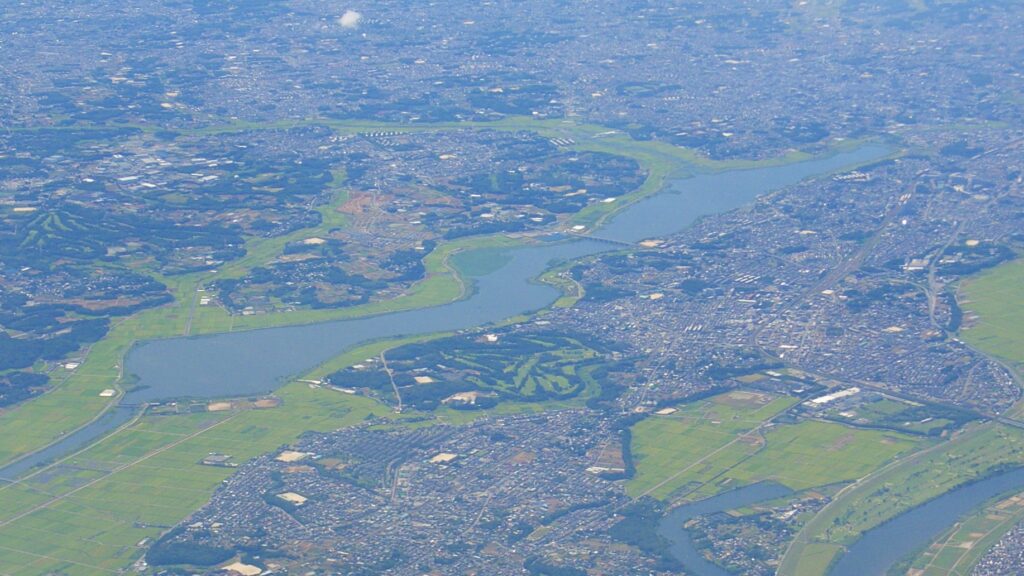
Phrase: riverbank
(897, 488)
(886, 544)
(71, 405)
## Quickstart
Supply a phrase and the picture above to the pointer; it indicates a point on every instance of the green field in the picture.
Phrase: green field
(717, 444)
(997, 297)
(898, 487)
(686, 449)
(812, 454)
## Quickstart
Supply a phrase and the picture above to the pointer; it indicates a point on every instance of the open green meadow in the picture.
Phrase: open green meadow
(686, 448)
(812, 454)
(717, 444)
(997, 297)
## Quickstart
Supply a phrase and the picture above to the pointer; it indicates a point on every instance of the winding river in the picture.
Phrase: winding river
(259, 361)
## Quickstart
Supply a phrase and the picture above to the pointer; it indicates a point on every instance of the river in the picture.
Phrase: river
(881, 547)
(873, 554)
(682, 547)
(259, 361)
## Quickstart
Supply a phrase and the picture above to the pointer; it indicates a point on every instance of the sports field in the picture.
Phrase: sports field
(955, 553)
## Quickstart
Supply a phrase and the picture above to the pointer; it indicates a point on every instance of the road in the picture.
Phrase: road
(391, 377)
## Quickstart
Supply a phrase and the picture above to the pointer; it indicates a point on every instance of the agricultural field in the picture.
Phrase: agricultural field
(48, 523)
(684, 449)
(812, 454)
(996, 297)
(719, 444)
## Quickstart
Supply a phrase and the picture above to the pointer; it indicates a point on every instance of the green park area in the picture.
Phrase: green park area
(730, 440)
(477, 371)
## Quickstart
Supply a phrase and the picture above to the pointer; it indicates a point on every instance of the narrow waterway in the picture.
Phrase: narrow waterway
(673, 528)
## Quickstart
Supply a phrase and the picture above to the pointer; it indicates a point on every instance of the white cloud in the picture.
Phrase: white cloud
(350, 19)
